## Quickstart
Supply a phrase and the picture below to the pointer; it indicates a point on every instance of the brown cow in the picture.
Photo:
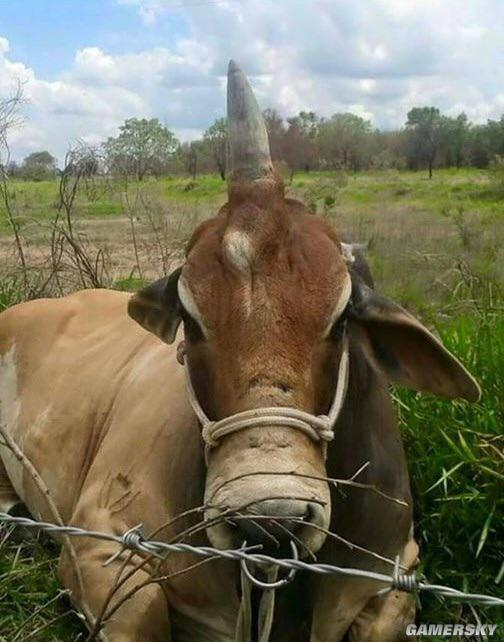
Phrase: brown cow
(271, 306)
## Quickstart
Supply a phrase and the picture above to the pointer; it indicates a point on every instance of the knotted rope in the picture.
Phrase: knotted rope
(317, 427)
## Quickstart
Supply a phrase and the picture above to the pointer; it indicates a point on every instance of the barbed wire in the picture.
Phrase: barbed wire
(134, 540)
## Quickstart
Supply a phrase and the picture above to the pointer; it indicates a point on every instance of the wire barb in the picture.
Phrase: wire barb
(405, 582)
(131, 540)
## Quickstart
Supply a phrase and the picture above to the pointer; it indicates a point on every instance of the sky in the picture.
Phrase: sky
(88, 65)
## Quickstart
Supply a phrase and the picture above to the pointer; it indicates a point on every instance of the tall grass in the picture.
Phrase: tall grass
(455, 454)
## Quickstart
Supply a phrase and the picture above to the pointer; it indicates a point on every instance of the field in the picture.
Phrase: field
(436, 247)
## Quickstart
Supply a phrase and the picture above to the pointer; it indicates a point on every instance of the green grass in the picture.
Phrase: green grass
(104, 208)
(455, 452)
(37, 202)
(437, 248)
(10, 292)
(448, 188)
(31, 604)
(467, 188)
(130, 284)
(208, 186)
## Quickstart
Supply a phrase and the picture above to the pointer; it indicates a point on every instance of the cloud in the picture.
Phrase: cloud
(99, 91)
(149, 10)
(58, 113)
(377, 58)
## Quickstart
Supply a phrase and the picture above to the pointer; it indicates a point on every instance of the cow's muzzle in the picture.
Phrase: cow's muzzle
(275, 523)
(272, 522)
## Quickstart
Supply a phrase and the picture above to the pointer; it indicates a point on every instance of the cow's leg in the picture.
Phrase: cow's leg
(337, 602)
(8, 496)
(142, 618)
(385, 618)
(343, 605)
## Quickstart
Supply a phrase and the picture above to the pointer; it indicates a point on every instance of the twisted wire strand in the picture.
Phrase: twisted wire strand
(134, 540)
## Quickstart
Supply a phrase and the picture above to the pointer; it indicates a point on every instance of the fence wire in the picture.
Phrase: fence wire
(133, 540)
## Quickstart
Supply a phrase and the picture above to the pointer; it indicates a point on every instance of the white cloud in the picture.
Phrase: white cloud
(4, 45)
(378, 58)
(149, 10)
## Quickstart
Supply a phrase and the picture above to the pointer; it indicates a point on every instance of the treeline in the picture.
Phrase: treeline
(305, 142)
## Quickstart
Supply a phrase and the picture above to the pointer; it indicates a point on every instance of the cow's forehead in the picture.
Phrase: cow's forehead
(251, 240)
(294, 262)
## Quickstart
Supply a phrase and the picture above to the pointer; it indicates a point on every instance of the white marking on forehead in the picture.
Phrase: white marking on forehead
(346, 291)
(187, 299)
(238, 249)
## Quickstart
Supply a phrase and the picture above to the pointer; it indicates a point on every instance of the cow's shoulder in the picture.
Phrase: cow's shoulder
(42, 322)
(69, 305)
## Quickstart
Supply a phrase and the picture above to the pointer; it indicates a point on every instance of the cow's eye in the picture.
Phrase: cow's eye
(192, 328)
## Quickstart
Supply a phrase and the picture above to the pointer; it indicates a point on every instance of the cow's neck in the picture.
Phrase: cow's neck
(367, 432)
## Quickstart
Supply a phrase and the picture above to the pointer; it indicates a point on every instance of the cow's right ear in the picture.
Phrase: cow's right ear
(157, 307)
(404, 350)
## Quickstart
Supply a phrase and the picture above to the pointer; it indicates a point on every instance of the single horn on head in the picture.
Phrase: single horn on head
(249, 156)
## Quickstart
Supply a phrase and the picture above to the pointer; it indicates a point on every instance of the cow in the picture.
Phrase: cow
(277, 323)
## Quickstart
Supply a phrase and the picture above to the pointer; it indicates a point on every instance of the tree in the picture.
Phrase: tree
(12, 169)
(486, 142)
(84, 160)
(39, 166)
(9, 119)
(479, 148)
(301, 141)
(495, 129)
(457, 138)
(142, 146)
(215, 138)
(307, 122)
(427, 130)
(345, 141)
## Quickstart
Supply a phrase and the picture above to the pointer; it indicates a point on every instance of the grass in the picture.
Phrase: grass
(455, 453)
(468, 188)
(32, 606)
(437, 247)
(205, 187)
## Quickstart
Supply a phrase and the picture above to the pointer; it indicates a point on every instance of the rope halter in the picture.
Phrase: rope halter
(317, 427)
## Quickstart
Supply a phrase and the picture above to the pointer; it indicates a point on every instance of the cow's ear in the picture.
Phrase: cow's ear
(405, 350)
(157, 307)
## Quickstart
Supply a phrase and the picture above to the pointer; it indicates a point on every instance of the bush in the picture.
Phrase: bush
(37, 173)
(496, 172)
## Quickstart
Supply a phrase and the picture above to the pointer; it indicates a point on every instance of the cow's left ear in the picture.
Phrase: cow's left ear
(157, 307)
(405, 350)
